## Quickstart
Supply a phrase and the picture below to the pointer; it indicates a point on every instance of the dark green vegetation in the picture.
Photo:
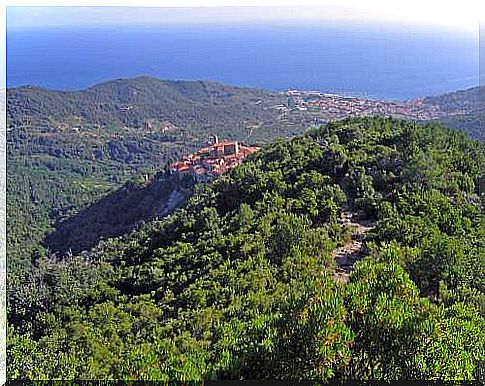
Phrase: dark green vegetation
(67, 150)
(117, 212)
(238, 283)
(464, 109)
(172, 108)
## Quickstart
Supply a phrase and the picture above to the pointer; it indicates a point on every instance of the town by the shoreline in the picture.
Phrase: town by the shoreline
(332, 106)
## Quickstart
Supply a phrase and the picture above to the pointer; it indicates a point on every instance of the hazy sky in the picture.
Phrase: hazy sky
(463, 15)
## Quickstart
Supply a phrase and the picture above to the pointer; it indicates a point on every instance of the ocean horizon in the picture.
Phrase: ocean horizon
(368, 61)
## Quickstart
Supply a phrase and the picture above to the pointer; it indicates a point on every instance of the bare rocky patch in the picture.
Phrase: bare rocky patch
(346, 255)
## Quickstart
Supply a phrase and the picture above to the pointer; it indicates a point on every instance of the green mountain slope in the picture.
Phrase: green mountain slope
(146, 102)
(464, 109)
(238, 283)
(67, 150)
(119, 212)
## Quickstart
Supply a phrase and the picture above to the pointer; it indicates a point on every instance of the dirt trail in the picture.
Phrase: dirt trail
(347, 255)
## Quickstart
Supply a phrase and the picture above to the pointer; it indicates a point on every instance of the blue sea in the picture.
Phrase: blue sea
(360, 60)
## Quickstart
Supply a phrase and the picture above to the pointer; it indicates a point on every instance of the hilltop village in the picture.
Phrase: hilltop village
(212, 160)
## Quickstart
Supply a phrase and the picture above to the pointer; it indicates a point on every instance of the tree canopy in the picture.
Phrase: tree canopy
(237, 284)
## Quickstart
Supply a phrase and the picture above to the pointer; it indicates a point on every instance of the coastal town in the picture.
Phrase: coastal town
(333, 106)
(212, 160)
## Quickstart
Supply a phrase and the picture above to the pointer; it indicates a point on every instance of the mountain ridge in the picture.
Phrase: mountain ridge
(90, 142)
(113, 99)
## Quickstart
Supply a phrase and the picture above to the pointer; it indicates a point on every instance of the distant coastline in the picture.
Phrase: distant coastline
(341, 61)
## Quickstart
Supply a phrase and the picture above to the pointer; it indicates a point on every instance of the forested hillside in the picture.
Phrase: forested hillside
(120, 211)
(464, 109)
(238, 283)
(153, 105)
(67, 150)
(70, 149)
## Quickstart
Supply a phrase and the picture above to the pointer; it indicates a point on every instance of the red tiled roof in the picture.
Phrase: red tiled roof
(183, 168)
(217, 164)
